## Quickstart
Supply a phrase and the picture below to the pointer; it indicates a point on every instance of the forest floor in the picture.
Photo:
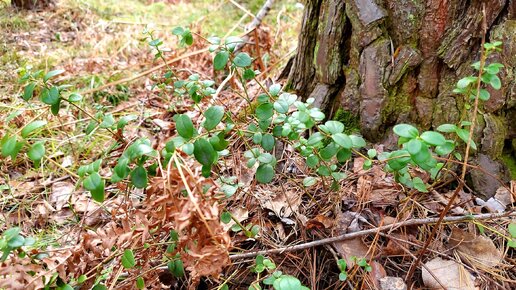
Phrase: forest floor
(81, 243)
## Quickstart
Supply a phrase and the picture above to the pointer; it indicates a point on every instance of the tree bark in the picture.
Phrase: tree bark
(397, 61)
(31, 4)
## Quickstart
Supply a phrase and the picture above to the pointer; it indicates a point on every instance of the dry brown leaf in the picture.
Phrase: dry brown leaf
(479, 251)
(283, 204)
(450, 274)
(61, 192)
(319, 222)
(351, 248)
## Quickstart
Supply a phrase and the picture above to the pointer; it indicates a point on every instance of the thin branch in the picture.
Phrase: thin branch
(340, 238)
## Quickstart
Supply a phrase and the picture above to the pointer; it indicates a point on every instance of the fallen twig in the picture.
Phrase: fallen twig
(393, 226)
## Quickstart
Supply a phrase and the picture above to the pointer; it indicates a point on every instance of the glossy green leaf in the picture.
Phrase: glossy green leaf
(50, 96)
(140, 283)
(419, 184)
(220, 60)
(36, 152)
(464, 135)
(213, 117)
(8, 145)
(139, 177)
(33, 126)
(268, 142)
(242, 59)
(358, 142)
(204, 152)
(405, 130)
(264, 111)
(95, 185)
(309, 181)
(265, 173)
(184, 126)
(52, 74)
(447, 128)
(334, 127)
(281, 106)
(433, 138)
(28, 91)
(128, 259)
(342, 140)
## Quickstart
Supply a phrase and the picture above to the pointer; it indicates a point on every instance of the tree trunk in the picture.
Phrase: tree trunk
(392, 61)
(31, 4)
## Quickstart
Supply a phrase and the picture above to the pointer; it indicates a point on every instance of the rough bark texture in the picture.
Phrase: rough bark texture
(394, 61)
(31, 4)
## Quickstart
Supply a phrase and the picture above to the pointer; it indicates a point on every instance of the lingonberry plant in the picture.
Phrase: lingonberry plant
(275, 116)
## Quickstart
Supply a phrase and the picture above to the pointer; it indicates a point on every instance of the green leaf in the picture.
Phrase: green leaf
(140, 283)
(512, 229)
(178, 30)
(220, 60)
(281, 106)
(268, 142)
(139, 177)
(184, 126)
(343, 155)
(74, 97)
(358, 142)
(265, 173)
(213, 117)
(54, 108)
(309, 181)
(128, 259)
(329, 151)
(342, 140)
(249, 74)
(371, 153)
(82, 279)
(28, 91)
(287, 282)
(50, 96)
(312, 161)
(95, 185)
(266, 158)
(204, 152)
(274, 90)
(493, 68)
(218, 142)
(484, 95)
(433, 138)
(464, 82)
(495, 82)
(334, 127)
(36, 152)
(225, 217)
(9, 145)
(405, 130)
(27, 130)
(343, 276)
(178, 269)
(464, 135)
(264, 111)
(52, 74)
(419, 184)
(315, 139)
(445, 149)
(447, 128)
(242, 59)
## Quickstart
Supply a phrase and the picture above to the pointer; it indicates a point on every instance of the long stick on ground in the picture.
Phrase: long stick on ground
(349, 236)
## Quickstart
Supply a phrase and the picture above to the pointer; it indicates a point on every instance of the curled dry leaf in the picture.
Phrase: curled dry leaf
(61, 192)
(451, 275)
(479, 251)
